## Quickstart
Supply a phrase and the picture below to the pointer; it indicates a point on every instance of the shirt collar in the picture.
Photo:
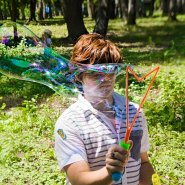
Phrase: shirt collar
(85, 105)
(119, 103)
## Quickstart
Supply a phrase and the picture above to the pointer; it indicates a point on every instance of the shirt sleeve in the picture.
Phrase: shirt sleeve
(69, 147)
(145, 145)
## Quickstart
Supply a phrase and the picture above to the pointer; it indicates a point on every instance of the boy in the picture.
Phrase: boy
(87, 134)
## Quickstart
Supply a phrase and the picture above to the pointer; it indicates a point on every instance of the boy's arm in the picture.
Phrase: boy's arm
(79, 173)
(146, 170)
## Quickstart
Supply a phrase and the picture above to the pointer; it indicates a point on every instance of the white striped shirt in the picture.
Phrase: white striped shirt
(83, 133)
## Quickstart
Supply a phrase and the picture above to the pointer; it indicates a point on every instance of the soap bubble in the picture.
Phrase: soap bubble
(25, 57)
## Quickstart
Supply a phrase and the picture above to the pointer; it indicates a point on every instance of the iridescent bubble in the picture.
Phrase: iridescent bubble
(25, 57)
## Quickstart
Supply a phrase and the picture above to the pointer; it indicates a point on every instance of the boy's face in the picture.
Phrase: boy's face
(97, 84)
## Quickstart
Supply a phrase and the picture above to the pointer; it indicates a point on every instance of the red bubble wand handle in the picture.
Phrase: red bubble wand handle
(116, 176)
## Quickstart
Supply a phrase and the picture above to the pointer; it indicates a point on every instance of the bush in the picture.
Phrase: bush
(168, 103)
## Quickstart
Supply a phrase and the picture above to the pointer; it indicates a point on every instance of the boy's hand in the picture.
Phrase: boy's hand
(116, 159)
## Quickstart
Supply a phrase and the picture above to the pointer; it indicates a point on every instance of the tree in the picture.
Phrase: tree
(172, 10)
(131, 20)
(112, 9)
(1, 12)
(124, 9)
(23, 4)
(57, 7)
(180, 6)
(72, 10)
(15, 13)
(128, 11)
(145, 6)
(4, 12)
(40, 10)
(164, 7)
(13, 9)
(102, 13)
(32, 11)
(90, 8)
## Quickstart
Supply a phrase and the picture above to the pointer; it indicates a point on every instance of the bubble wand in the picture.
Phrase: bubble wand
(116, 176)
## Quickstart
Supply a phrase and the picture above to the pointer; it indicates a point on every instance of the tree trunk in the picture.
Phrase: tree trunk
(112, 10)
(183, 6)
(90, 9)
(117, 9)
(72, 10)
(124, 9)
(12, 6)
(40, 10)
(57, 6)
(32, 10)
(10, 9)
(102, 17)
(151, 8)
(1, 12)
(172, 10)
(179, 6)
(4, 12)
(16, 8)
(22, 5)
(164, 7)
(23, 16)
(131, 20)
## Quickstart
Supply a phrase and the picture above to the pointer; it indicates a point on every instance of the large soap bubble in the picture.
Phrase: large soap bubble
(25, 57)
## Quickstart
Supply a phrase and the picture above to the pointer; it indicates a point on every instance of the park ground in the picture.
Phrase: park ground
(28, 111)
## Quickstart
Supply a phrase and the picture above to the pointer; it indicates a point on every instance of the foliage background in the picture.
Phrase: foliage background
(29, 111)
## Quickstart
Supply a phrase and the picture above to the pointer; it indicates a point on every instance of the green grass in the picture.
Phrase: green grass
(29, 111)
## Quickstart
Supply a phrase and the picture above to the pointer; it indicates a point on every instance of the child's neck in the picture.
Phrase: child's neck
(101, 104)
